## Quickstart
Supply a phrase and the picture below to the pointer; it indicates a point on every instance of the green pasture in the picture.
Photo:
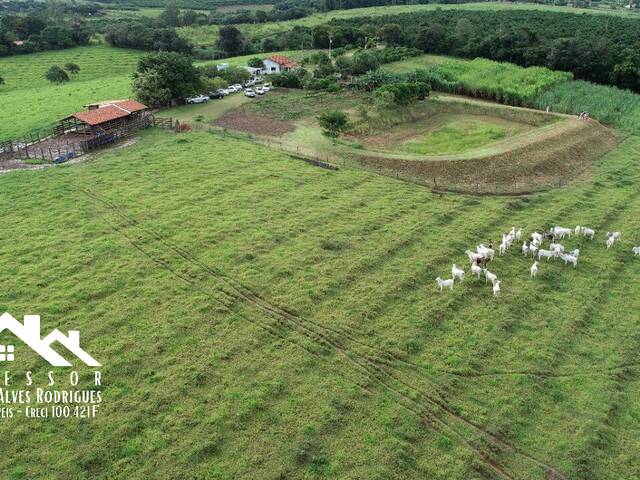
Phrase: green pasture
(257, 314)
(456, 136)
(30, 102)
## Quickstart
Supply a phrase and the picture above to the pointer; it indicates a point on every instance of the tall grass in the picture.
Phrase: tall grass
(610, 105)
(502, 82)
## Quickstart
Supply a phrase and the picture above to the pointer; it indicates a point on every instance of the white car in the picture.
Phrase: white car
(231, 89)
(266, 88)
(260, 91)
(198, 99)
(238, 87)
(249, 93)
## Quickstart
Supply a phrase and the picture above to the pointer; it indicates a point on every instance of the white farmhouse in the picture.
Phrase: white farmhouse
(278, 63)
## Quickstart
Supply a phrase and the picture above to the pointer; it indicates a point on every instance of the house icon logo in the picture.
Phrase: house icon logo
(29, 334)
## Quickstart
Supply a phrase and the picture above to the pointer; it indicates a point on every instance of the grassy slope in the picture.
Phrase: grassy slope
(30, 102)
(209, 34)
(199, 380)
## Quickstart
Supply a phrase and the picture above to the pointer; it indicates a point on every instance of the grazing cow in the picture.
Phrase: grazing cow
(476, 270)
(457, 273)
(444, 283)
(534, 269)
(491, 277)
(546, 254)
(588, 232)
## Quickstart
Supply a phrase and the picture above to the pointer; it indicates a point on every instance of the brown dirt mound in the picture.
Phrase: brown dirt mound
(252, 123)
(550, 162)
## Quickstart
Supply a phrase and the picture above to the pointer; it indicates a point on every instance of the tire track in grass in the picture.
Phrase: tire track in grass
(365, 368)
(227, 301)
(365, 362)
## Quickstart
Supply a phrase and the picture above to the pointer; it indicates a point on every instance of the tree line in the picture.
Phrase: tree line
(599, 48)
(39, 30)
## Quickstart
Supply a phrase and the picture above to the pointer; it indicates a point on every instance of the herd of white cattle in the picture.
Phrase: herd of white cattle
(533, 247)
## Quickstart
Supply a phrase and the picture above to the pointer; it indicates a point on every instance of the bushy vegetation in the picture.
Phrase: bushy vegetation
(503, 82)
(145, 36)
(333, 122)
(41, 29)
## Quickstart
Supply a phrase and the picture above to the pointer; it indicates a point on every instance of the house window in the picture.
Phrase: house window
(273, 69)
(6, 353)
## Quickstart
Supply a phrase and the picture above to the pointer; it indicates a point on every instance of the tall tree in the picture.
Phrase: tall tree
(391, 33)
(176, 76)
(230, 41)
(170, 16)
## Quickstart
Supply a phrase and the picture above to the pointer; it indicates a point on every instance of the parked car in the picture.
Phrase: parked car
(238, 87)
(266, 88)
(215, 95)
(249, 93)
(198, 99)
(260, 91)
(223, 91)
(268, 85)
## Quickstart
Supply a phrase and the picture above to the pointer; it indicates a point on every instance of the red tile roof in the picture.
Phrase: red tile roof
(283, 61)
(111, 111)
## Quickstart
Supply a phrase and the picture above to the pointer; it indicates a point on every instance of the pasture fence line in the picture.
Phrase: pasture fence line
(58, 149)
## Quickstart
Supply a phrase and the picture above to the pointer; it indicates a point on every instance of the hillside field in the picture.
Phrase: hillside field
(30, 102)
(258, 317)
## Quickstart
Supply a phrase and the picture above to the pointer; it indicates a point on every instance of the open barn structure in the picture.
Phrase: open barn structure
(105, 118)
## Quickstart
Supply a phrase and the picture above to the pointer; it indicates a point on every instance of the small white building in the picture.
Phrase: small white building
(278, 64)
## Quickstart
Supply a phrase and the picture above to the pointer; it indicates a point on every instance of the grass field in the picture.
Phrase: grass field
(257, 317)
(457, 135)
(207, 35)
(30, 102)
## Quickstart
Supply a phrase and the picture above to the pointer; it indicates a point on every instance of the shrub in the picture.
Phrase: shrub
(55, 74)
(72, 68)
(255, 62)
(333, 122)
(291, 79)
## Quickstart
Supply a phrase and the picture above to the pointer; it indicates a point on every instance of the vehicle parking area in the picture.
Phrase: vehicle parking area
(251, 89)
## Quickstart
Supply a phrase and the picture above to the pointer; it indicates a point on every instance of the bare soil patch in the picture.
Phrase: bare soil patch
(252, 123)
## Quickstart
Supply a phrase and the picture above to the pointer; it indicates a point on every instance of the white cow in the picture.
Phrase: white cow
(534, 269)
(444, 283)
